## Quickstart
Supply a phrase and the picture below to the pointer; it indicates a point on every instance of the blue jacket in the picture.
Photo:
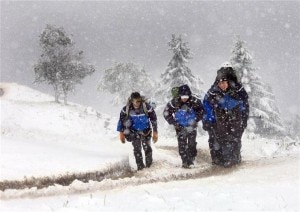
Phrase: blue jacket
(137, 119)
(216, 102)
(184, 114)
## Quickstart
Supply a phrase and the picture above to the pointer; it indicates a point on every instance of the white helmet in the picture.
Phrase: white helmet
(226, 65)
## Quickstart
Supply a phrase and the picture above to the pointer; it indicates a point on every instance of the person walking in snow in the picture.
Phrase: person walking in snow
(225, 118)
(137, 124)
(184, 112)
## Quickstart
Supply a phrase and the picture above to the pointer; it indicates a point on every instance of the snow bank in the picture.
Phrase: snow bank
(40, 137)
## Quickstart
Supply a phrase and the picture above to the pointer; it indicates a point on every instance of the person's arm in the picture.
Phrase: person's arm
(122, 117)
(168, 113)
(198, 108)
(245, 107)
(209, 119)
(152, 117)
(120, 126)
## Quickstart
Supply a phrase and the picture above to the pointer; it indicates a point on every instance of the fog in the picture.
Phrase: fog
(133, 31)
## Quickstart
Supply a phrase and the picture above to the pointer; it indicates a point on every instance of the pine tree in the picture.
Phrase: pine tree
(294, 126)
(264, 114)
(125, 78)
(177, 73)
(59, 64)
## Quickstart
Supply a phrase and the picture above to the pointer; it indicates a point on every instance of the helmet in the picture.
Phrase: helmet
(226, 65)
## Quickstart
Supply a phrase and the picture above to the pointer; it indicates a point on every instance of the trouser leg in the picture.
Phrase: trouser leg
(239, 146)
(192, 147)
(137, 151)
(236, 153)
(227, 148)
(146, 143)
(231, 151)
(187, 146)
(182, 146)
(215, 149)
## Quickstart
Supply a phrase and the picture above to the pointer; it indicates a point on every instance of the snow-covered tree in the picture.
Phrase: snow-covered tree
(125, 78)
(177, 73)
(264, 114)
(59, 64)
(293, 124)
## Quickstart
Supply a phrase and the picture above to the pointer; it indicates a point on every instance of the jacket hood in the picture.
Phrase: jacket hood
(227, 73)
(185, 90)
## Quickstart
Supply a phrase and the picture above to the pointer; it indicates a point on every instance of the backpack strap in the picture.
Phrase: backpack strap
(127, 110)
(145, 108)
(127, 107)
(143, 105)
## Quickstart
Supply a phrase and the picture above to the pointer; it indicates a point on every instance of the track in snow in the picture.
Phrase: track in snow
(118, 176)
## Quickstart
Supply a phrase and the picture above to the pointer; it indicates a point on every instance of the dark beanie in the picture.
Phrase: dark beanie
(184, 90)
(135, 95)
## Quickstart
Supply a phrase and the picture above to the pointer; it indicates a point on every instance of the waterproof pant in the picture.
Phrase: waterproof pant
(214, 148)
(228, 132)
(226, 149)
(140, 141)
(231, 152)
(187, 145)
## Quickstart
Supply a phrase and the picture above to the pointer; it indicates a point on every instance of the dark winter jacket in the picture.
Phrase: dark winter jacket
(184, 114)
(137, 119)
(226, 111)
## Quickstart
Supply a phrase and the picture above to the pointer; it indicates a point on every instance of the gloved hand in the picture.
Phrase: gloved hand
(177, 126)
(194, 125)
(155, 137)
(208, 126)
(122, 137)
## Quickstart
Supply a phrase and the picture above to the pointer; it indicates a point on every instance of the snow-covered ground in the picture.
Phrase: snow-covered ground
(41, 139)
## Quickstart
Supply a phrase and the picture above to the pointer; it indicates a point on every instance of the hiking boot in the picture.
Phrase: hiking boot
(148, 165)
(185, 165)
(190, 162)
(228, 164)
(148, 162)
(217, 161)
(140, 167)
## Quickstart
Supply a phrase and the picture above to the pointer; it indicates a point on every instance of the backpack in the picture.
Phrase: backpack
(175, 92)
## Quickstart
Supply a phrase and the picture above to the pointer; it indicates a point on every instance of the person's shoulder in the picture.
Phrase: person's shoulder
(123, 110)
(214, 89)
(195, 98)
(148, 105)
(238, 87)
(173, 103)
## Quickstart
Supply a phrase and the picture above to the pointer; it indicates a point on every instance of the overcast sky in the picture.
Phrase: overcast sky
(132, 31)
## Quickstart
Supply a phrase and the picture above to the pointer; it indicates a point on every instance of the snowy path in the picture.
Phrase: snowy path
(166, 168)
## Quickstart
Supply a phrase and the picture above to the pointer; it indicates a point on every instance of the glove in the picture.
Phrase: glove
(155, 137)
(122, 137)
(177, 126)
(194, 124)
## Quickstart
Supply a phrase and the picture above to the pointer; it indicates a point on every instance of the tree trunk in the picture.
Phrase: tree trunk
(56, 93)
(65, 98)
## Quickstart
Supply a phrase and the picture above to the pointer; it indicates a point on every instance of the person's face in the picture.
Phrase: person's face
(184, 98)
(136, 103)
(223, 85)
